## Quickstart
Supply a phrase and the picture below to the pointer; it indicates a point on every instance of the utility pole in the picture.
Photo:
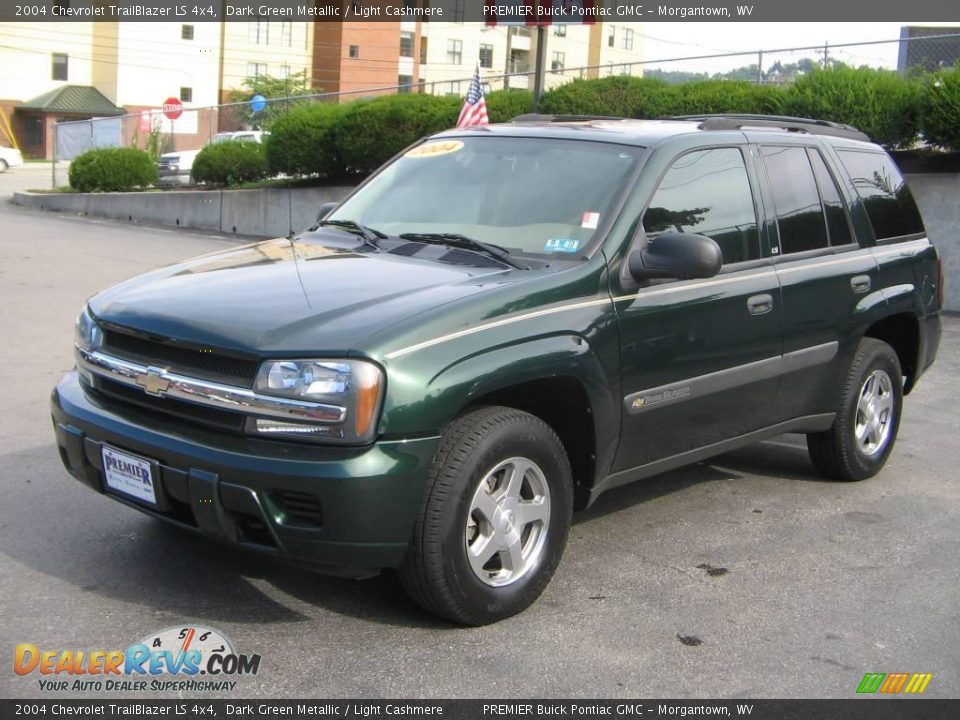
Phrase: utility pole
(541, 66)
(760, 67)
(508, 63)
(826, 54)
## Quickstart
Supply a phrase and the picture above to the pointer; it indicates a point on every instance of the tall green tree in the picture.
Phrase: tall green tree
(280, 93)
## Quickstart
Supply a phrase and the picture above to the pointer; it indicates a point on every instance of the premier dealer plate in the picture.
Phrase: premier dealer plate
(129, 475)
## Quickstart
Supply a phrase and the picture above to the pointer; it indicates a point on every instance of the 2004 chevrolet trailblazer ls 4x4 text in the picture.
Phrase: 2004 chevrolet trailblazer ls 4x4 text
(501, 324)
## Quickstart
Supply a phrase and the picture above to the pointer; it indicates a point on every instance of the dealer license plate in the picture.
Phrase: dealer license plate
(129, 475)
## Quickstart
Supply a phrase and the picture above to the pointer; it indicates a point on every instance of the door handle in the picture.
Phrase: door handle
(860, 284)
(760, 304)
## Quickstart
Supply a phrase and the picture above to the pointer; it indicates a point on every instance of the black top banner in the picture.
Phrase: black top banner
(493, 12)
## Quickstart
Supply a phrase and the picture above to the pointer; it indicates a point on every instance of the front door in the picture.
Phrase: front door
(699, 358)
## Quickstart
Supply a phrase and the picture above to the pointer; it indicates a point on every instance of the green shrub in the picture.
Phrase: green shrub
(940, 114)
(616, 96)
(502, 105)
(112, 170)
(879, 102)
(370, 132)
(230, 162)
(302, 141)
(723, 96)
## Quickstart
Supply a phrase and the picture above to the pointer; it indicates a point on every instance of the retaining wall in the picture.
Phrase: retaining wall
(264, 213)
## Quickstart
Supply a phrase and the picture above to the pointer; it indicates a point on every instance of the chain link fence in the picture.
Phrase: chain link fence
(150, 129)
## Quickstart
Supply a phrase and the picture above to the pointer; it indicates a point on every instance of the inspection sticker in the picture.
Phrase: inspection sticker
(442, 147)
(566, 245)
(590, 220)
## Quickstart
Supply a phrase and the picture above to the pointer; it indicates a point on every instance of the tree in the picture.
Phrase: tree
(280, 93)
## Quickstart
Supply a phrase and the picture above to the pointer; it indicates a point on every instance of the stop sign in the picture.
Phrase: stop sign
(172, 108)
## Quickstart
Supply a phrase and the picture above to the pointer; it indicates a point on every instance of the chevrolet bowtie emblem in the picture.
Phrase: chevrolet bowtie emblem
(153, 382)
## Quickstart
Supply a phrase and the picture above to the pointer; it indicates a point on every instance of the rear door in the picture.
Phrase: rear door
(824, 275)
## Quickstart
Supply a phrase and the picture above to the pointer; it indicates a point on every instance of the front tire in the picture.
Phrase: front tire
(865, 429)
(495, 518)
(3, 166)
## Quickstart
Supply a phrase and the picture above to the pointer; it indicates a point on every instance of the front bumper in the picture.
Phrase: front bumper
(348, 511)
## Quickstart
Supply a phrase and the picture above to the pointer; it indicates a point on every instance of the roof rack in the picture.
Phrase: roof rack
(725, 121)
(537, 117)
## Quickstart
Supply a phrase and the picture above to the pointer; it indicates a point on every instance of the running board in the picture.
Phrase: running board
(805, 424)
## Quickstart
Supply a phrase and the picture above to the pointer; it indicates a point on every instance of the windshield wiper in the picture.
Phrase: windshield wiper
(466, 243)
(371, 236)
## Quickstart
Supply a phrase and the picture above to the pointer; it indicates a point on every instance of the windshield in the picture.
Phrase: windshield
(527, 195)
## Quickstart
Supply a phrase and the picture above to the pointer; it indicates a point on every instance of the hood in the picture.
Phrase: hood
(288, 296)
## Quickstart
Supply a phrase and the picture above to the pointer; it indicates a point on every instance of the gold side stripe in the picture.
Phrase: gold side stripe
(496, 324)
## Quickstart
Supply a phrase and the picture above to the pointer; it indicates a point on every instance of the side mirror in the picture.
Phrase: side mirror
(676, 255)
(325, 210)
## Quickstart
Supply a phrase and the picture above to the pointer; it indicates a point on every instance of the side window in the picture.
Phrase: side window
(833, 205)
(708, 192)
(799, 214)
(884, 192)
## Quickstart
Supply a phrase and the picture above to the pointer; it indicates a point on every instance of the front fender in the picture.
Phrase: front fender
(414, 408)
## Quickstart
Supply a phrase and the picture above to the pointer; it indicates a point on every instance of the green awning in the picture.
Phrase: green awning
(73, 99)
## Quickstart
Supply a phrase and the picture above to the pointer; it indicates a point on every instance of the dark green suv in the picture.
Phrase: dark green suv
(498, 326)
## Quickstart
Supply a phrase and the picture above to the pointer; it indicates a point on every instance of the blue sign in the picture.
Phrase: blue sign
(258, 103)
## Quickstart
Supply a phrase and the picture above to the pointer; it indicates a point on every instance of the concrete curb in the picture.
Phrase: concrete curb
(269, 212)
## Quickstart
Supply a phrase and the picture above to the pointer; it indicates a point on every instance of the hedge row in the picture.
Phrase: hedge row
(356, 138)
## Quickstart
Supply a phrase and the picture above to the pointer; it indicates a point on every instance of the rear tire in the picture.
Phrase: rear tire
(865, 429)
(3, 166)
(494, 520)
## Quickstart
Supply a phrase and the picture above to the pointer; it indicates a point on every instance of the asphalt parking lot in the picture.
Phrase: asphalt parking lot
(747, 576)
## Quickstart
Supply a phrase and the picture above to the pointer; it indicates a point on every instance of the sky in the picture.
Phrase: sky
(682, 39)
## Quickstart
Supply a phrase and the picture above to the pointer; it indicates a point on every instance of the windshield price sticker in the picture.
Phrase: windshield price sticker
(444, 147)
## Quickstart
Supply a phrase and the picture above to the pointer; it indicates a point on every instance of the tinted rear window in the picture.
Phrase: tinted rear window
(884, 192)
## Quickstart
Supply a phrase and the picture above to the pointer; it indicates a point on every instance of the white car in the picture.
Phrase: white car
(173, 168)
(9, 157)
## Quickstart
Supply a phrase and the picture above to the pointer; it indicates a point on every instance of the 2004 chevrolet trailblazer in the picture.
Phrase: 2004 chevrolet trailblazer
(498, 326)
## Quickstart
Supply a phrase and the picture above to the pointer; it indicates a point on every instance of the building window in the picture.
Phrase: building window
(625, 70)
(486, 55)
(60, 65)
(258, 32)
(423, 51)
(186, 32)
(612, 37)
(626, 41)
(455, 52)
(354, 51)
(405, 83)
(560, 30)
(256, 70)
(186, 94)
(33, 130)
(451, 88)
(406, 44)
(284, 72)
(286, 34)
(556, 62)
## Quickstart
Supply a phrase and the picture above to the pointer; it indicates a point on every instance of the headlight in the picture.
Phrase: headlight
(355, 385)
(89, 336)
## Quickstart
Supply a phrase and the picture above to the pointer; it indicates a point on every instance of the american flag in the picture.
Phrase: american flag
(474, 110)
